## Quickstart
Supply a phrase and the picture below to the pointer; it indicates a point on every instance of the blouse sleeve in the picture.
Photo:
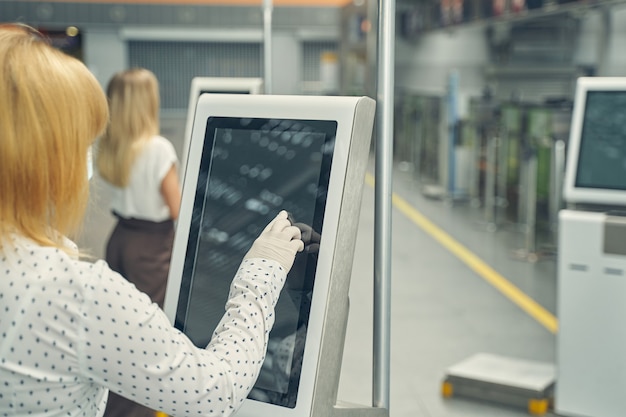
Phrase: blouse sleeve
(128, 344)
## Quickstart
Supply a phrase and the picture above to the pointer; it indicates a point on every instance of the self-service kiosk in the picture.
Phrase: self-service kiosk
(249, 157)
(591, 341)
(217, 85)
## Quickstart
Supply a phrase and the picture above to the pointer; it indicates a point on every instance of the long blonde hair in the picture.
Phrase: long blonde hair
(134, 105)
(51, 110)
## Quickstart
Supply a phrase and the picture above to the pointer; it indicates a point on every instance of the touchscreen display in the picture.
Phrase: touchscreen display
(602, 154)
(250, 169)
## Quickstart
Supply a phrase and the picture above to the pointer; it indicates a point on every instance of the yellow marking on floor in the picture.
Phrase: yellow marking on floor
(513, 293)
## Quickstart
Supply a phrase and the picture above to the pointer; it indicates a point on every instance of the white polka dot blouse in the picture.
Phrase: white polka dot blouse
(72, 330)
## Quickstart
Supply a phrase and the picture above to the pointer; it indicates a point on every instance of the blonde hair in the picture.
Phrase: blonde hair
(52, 109)
(134, 105)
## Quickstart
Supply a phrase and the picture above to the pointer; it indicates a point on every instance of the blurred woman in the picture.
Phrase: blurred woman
(140, 165)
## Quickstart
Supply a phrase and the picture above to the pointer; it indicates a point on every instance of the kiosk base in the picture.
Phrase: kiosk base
(592, 294)
(506, 381)
(343, 409)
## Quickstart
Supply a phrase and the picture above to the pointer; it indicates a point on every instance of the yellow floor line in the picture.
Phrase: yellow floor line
(527, 304)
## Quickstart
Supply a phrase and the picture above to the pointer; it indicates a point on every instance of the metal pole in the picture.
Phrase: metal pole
(452, 98)
(490, 182)
(383, 190)
(267, 45)
(531, 209)
(558, 172)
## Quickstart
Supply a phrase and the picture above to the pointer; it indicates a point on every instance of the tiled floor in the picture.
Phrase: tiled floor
(442, 312)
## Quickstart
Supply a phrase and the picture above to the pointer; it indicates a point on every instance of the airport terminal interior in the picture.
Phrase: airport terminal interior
(489, 114)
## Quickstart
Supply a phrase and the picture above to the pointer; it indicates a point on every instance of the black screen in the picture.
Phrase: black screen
(602, 153)
(250, 169)
(224, 92)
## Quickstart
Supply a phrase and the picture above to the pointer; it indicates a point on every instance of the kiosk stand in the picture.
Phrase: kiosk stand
(251, 156)
(592, 256)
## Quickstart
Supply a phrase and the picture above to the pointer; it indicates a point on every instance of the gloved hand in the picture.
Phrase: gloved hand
(279, 241)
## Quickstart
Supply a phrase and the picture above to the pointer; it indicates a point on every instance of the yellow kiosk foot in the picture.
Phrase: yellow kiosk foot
(538, 407)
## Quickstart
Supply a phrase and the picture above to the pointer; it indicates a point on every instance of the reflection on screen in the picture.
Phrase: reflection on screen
(602, 155)
(251, 169)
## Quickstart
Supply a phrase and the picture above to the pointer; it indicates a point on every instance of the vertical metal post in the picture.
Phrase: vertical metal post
(502, 173)
(267, 45)
(556, 191)
(383, 191)
(453, 121)
(531, 208)
(604, 40)
(490, 182)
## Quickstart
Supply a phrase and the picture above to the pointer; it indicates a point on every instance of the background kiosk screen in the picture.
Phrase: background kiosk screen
(602, 155)
(250, 169)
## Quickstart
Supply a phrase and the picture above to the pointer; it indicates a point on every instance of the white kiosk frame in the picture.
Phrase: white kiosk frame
(593, 190)
(323, 350)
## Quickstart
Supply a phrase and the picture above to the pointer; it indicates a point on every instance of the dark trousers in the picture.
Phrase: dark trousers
(140, 251)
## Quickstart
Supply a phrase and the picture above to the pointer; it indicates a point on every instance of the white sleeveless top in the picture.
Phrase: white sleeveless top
(142, 198)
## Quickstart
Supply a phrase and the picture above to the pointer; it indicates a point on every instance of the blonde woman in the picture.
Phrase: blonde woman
(72, 330)
(140, 165)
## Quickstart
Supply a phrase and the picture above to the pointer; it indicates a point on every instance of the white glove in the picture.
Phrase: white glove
(279, 241)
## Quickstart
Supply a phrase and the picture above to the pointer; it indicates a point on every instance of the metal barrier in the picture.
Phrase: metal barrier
(487, 160)
(417, 140)
(518, 163)
(541, 180)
